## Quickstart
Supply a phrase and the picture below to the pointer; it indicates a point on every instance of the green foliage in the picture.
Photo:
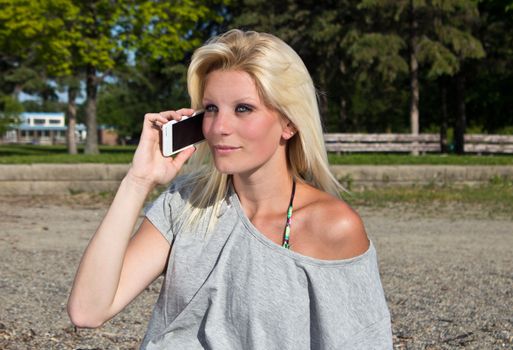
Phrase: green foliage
(156, 81)
(444, 30)
(43, 106)
(168, 30)
(491, 79)
(507, 130)
(357, 52)
(343, 63)
(11, 109)
(378, 106)
(61, 39)
(34, 46)
(442, 60)
(32, 33)
(380, 51)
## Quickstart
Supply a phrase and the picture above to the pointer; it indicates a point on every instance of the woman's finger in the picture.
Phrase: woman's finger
(155, 119)
(182, 157)
(185, 111)
(177, 115)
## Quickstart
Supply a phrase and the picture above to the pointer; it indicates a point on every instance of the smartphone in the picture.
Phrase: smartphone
(178, 135)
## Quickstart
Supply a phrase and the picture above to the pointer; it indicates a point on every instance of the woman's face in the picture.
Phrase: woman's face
(243, 134)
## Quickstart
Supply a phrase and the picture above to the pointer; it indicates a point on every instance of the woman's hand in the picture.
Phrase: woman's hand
(149, 167)
(115, 268)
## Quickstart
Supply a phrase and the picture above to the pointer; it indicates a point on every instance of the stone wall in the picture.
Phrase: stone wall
(48, 179)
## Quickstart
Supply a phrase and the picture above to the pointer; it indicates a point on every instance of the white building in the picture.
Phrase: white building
(42, 128)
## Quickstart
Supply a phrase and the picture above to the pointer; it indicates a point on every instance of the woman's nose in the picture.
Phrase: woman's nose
(221, 123)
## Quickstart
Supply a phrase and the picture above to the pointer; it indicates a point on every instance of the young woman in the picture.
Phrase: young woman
(257, 249)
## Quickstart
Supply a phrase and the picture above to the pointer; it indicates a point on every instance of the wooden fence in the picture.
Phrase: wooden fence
(501, 144)
(405, 143)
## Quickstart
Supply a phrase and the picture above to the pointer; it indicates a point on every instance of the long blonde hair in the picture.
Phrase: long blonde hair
(284, 84)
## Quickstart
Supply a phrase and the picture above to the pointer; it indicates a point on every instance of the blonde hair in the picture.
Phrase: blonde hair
(284, 84)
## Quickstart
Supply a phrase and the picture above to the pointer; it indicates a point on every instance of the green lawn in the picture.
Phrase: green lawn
(27, 154)
(494, 198)
(429, 159)
(30, 154)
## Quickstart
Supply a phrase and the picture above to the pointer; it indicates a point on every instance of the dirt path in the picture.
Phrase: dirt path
(448, 277)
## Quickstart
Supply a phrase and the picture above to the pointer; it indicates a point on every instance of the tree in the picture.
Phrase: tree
(155, 78)
(378, 66)
(93, 39)
(72, 86)
(35, 47)
(345, 68)
(320, 32)
(113, 30)
(437, 35)
(489, 92)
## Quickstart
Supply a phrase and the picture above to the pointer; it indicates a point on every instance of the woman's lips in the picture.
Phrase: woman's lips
(225, 149)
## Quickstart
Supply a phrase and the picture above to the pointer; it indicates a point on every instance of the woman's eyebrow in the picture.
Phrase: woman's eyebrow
(244, 99)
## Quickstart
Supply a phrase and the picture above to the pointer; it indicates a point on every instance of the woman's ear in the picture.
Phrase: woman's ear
(288, 131)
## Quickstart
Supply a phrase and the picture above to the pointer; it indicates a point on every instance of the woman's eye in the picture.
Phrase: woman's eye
(243, 108)
(210, 108)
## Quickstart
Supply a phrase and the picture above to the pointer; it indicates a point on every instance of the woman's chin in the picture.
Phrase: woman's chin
(224, 168)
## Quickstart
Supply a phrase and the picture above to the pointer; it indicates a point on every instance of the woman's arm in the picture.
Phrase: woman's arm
(115, 268)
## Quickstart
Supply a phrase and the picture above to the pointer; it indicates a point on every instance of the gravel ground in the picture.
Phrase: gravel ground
(447, 276)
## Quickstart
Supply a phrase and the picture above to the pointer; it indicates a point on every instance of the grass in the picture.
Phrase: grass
(493, 199)
(29, 154)
(428, 159)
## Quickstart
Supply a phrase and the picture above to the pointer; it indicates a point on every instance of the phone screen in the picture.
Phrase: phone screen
(188, 132)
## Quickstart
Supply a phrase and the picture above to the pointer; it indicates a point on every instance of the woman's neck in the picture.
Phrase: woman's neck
(263, 194)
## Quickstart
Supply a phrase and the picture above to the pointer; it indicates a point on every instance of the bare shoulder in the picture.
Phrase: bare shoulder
(338, 229)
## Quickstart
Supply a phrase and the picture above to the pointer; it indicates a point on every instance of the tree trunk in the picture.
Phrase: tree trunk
(461, 118)
(71, 116)
(91, 146)
(343, 120)
(323, 99)
(414, 79)
(444, 145)
(18, 88)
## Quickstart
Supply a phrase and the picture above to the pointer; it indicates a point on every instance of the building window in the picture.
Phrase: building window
(55, 121)
(39, 121)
